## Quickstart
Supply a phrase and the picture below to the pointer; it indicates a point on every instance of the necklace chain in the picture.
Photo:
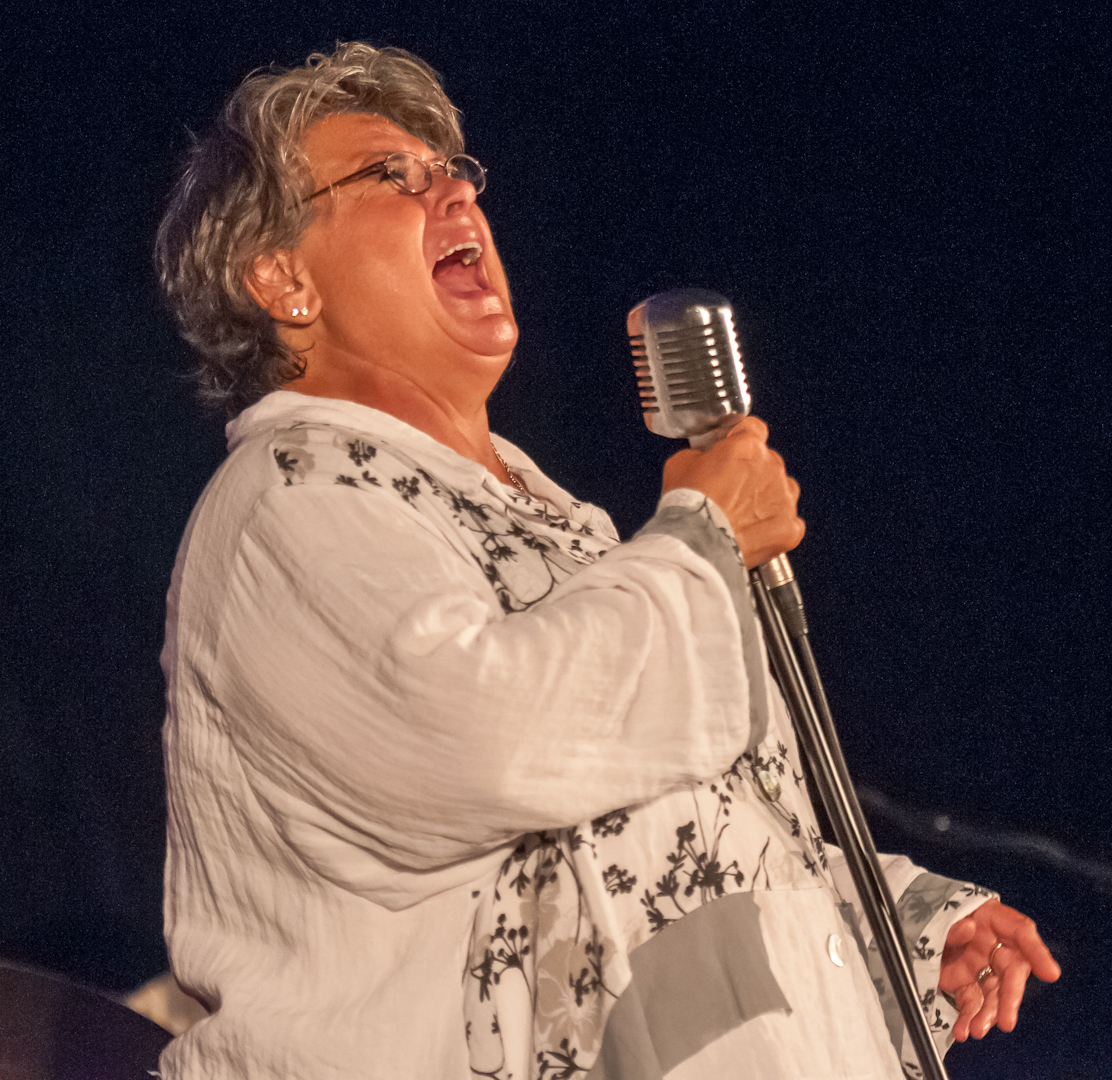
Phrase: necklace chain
(514, 479)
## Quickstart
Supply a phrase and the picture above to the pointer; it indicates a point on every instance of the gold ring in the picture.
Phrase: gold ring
(988, 970)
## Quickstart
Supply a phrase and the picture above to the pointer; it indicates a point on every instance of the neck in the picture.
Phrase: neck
(458, 421)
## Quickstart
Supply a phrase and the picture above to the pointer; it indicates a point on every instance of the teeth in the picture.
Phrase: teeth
(473, 249)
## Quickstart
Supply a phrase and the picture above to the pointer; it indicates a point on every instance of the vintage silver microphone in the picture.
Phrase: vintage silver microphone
(692, 385)
(688, 365)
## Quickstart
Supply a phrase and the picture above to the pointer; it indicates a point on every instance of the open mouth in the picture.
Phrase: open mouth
(459, 271)
(468, 253)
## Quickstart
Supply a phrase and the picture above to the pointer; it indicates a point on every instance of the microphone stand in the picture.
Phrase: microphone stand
(780, 608)
(692, 386)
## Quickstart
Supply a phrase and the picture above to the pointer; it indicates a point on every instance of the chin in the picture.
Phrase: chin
(493, 336)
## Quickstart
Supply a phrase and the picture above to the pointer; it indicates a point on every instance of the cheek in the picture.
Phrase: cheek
(371, 272)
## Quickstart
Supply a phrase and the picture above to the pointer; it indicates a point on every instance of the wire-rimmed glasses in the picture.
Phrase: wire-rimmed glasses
(414, 176)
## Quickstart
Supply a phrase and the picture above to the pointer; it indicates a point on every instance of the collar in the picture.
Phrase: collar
(283, 408)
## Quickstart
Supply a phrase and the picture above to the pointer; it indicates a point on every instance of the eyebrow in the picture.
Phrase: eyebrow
(370, 157)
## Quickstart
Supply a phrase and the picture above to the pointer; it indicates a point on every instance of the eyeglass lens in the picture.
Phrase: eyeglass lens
(412, 174)
(462, 167)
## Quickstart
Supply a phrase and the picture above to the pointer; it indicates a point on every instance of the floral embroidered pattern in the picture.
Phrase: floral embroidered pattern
(532, 533)
(553, 932)
(610, 824)
(293, 459)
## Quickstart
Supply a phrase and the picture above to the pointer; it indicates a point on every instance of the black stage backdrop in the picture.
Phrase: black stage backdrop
(909, 207)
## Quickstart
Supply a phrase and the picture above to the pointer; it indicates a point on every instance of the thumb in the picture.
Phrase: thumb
(962, 932)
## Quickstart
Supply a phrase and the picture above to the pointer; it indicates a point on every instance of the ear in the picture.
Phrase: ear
(279, 283)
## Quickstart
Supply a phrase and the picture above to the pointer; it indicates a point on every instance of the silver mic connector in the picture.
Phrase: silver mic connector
(688, 365)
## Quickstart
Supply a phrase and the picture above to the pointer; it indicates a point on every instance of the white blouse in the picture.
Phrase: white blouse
(451, 794)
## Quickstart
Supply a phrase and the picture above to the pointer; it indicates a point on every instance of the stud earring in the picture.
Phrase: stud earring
(300, 311)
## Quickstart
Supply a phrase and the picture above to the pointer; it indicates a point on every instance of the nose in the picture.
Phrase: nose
(450, 195)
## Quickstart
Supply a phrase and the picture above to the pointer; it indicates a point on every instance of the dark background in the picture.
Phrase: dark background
(909, 209)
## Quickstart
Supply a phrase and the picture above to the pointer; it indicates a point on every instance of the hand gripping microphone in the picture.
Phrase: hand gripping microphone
(692, 386)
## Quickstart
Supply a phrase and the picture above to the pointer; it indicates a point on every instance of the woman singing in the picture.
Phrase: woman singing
(460, 784)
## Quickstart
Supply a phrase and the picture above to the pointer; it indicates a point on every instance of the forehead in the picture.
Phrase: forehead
(345, 140)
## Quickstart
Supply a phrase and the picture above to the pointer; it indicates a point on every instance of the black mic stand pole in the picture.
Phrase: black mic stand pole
(692, 386)
(780, 608)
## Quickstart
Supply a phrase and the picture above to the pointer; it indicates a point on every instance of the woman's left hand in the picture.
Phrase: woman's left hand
(1006, 939)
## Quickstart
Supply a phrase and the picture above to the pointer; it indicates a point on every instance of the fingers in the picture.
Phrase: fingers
(1001, 937)
(961, 933)
(1021, 936)
(749, 425)
(749, 483)
(769, 538)
(1013, 983)
(978, 1010)
(969, 1000)
(985, 1020)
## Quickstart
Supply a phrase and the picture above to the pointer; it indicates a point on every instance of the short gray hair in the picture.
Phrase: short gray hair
(243, 193)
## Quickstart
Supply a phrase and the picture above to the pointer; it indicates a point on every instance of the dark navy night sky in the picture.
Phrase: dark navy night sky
(909, 208)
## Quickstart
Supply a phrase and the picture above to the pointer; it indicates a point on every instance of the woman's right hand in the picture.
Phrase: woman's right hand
(749, 483)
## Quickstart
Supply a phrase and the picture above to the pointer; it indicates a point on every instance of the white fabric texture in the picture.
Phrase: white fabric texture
(394, 685)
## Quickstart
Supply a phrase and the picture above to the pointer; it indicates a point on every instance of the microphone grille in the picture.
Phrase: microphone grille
(687, 361)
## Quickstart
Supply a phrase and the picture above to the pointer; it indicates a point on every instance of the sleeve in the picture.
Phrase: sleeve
(379, 699)
(696, 520)
(927, 906)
